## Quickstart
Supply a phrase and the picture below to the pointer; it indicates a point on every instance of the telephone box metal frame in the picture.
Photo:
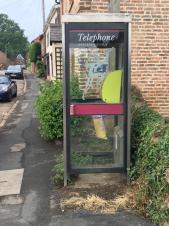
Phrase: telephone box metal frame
(123, 19)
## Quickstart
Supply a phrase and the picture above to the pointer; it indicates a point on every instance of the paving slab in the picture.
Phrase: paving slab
(10, 182)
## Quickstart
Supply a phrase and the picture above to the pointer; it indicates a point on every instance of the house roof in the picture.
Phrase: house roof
(19, 57)
(55, 33)
(38, 39)
(51, 14)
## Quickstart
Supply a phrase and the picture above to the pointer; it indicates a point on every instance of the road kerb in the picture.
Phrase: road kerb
(25, 86)
(5, 117)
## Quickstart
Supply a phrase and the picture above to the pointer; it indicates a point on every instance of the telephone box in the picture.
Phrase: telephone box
(96, 62)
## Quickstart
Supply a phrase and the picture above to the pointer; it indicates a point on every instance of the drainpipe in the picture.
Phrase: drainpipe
(114, 6)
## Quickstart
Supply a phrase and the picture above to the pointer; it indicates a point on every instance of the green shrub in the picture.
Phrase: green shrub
(58, 171)
(150, 149)
(49, 110)
(40, 68)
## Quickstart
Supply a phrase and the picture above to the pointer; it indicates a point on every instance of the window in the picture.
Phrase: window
(58, 57)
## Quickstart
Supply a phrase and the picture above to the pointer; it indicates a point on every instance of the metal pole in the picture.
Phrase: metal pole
(44, 35)
(43, 13)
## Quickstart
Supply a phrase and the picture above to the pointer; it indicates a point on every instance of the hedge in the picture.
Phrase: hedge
(49, 109)
(150, 159)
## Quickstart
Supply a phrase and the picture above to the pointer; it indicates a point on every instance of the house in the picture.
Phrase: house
(20, 59)
(150, 48)
(53, 44)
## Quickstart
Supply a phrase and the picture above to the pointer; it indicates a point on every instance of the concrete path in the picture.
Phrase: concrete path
(23, 150)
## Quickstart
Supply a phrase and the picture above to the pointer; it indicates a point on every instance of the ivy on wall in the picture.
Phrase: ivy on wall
(34, 52)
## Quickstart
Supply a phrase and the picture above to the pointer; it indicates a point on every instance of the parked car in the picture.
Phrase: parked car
(14, 71)
(8, 88)
(23, 66)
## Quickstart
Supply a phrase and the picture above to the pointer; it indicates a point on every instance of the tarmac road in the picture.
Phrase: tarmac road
(7, 107)
(22, 148)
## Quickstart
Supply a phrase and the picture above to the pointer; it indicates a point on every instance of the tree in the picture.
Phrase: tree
(12, 39)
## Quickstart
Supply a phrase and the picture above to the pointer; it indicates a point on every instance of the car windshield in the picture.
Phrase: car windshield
(13, 68)
(18, 66)
(4, 80)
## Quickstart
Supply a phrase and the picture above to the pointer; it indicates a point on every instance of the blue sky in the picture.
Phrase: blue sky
(27, 13)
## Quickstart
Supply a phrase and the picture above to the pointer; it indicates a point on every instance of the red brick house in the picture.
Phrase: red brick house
(150, 44)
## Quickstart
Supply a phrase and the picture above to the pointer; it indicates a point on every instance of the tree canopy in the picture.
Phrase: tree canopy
(12, 39)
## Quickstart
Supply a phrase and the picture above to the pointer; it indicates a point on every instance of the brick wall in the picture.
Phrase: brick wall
(3, 59)
(82, 6)
(150, 50)
(150, 44)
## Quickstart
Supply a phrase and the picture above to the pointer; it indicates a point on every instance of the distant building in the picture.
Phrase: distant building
(20, 59)
(53, 44)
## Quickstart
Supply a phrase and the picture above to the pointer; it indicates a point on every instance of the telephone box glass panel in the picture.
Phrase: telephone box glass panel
(97, 97)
